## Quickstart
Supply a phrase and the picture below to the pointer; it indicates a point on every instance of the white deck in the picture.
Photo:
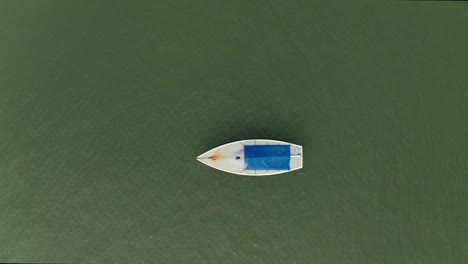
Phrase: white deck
(230, 157)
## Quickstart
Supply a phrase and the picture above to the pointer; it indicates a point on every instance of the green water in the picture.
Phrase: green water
(104, 106)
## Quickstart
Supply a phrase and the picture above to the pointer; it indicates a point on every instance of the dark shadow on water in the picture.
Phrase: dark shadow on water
(230, 131)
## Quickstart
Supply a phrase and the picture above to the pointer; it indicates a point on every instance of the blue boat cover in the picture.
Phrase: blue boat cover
(267, 157)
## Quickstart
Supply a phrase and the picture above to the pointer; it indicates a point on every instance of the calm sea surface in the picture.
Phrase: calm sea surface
(104, 106)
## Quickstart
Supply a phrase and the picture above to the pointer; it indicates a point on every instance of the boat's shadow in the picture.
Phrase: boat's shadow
(252, 129)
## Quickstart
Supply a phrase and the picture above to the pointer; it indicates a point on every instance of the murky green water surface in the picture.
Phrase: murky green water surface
(104, 106)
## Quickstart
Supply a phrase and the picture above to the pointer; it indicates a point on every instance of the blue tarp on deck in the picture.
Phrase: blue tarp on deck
(267, 157)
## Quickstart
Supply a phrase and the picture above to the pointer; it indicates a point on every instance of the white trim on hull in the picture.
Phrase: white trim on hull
(230, 157)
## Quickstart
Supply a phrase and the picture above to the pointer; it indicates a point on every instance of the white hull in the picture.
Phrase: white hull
(231, 157)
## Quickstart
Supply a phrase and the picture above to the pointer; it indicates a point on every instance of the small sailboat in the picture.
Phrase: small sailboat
(254, 157)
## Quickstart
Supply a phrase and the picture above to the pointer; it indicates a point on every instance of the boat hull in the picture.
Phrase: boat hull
(254, 157)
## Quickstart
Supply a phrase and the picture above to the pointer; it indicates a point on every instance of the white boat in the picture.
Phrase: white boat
(254, 157)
